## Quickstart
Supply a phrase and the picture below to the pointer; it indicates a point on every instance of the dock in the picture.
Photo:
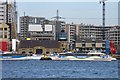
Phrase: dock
(116, 56)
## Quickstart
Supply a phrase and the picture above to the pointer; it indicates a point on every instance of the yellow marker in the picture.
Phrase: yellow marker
(28, 38)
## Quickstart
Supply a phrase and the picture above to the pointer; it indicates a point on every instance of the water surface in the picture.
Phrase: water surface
(59, 69)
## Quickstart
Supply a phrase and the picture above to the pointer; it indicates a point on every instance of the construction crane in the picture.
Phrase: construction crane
(103, 19)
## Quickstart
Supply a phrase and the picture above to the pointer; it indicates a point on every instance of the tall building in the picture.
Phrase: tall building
(114, 35)
(86, 31)
(25, 21)
(119, 13)
(3, 12)
(59, 26)
(8, 17)
(89, 35)
(91, 32)
(71, 30)
(12, 18)
(61, 35)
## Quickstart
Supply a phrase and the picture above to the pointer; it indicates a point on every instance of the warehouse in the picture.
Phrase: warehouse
(39, 46)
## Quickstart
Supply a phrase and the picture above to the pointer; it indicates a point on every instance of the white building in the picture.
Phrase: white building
(40, 32)
(3, 8)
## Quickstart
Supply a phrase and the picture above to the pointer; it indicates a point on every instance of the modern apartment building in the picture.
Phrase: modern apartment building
(91, 32)
(86, 31)
(24, 24)
(114, 35)
(71, 30)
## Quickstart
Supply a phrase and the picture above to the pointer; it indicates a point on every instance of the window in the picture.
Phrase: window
(23, 52)
(1, 29)
(5, 28)
(5, 36)
(1, 35)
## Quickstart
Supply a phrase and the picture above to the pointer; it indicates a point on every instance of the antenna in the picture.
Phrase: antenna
(24, 13)
(57, 17)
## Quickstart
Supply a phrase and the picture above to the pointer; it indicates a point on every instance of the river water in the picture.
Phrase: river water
(60, 69)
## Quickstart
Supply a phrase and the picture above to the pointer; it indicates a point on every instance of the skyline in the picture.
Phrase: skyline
(76, 12)
(71, 11)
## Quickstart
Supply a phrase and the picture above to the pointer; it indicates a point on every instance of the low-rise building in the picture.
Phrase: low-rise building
(4, 37)
(39, 46)
(41, 32)
(88, 44)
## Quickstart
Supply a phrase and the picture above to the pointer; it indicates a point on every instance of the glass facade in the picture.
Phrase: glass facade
(62, 36)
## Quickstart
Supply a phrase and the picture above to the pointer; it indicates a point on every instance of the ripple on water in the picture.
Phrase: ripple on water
(59, 69)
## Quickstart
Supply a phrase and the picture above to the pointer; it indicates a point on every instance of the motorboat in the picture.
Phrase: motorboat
(45, 57)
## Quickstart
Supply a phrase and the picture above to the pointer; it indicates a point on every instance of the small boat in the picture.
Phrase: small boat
(45, 57)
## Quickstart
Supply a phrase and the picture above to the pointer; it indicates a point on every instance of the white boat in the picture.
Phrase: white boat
(93, 55)
(98, 56)
(20, 58)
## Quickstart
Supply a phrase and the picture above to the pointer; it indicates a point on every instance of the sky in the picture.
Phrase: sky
(76, 11)
(64, 0)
